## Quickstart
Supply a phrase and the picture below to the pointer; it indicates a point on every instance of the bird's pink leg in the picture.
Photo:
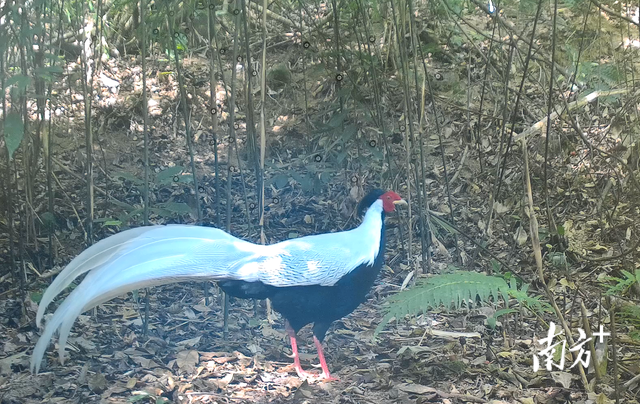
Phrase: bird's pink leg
(296, 357)
(323, 363)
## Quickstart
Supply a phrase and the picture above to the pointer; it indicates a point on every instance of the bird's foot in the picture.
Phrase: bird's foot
(315, 377)
(329, 378)
(304, 375)
(325, 376)
(311, 377)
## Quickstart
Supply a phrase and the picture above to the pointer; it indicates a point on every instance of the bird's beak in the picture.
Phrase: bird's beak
(400, 202)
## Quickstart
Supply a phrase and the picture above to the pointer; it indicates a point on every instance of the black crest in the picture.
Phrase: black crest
(368, 200)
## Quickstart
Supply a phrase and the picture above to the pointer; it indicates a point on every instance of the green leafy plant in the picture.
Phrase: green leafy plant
(457, 289)
(13, 132)
(629, 315)
(493, 320)
(621, 285)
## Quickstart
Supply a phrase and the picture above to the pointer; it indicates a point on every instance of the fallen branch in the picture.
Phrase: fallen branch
(541, 125)
(614, 13)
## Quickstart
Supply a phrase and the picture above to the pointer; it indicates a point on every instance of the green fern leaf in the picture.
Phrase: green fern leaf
(622, 284)
(455, 290)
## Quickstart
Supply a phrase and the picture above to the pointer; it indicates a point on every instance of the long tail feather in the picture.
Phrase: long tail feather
(90, 258)
(137, 258)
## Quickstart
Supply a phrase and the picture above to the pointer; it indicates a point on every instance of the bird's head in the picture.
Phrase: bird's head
(389, 200)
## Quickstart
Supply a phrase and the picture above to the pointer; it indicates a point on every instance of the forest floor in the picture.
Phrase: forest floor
(186, 358)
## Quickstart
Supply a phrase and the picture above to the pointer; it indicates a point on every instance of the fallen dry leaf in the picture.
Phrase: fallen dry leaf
(187, 360)
(415, 388)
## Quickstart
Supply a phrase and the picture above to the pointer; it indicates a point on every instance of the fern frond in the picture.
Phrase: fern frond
(454, 290)
(622, 285)
(531, 302)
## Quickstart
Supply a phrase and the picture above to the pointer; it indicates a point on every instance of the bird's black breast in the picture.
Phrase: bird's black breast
(322, 305)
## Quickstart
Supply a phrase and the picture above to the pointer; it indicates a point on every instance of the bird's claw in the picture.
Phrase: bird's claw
(316, 377)
(329, 378)
(313, 378)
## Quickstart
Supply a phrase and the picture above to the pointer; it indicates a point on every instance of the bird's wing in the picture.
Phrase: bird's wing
(322, 259)
(318, 260)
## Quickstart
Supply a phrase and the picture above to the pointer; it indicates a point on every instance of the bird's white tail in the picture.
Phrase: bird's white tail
(138, 258)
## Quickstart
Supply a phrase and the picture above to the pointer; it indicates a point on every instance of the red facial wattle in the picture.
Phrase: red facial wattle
(389, 201)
